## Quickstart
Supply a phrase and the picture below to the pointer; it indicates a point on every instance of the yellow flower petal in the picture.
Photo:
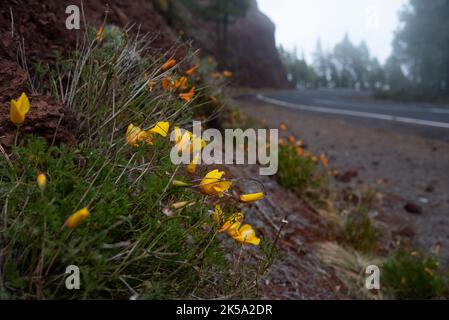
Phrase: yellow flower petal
(161, 128)
(213, 185)
(192, 70)
(227, 74)
(181, 83)
(19, 109)
(231, 221)
(41, 180)
(166, 84)
(134, 135)
(100, 34)
(169, 64)
(188, 96)
(75, 219)
(233, 229)
(247, 198)
(247, 235)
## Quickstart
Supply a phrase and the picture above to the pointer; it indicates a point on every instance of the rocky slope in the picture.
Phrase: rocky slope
(252, 46)
(42, 26)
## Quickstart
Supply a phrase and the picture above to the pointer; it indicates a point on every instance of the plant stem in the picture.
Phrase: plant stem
(17, 136)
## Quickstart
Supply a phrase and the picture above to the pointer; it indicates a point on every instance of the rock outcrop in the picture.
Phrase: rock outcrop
(41, 24)
(253, 45)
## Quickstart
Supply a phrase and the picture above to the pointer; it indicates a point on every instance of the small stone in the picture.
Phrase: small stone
(413, 208)
(423, 200)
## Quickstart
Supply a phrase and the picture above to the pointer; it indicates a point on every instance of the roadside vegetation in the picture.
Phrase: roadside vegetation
(299, 170)
(113, 204)
(406, 273)
(415, 71)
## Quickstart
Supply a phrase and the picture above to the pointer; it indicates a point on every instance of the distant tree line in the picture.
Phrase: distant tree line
(346, 66)
(417, 69)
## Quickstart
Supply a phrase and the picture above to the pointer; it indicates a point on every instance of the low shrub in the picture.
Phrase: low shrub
(413, 275)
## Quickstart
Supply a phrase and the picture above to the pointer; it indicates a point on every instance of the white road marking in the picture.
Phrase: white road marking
(391, 107)
(360, 114)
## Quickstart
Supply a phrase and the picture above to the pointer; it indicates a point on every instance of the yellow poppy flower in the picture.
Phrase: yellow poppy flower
(161, 128)
(75, 219)
(181, 83)
(19, 109)
(227, 74)
(232, 224)
(166, 84)
(233, 229)
(213, 185)
(247, 235)
(192, 70)
(225, 225)
(252, 197)
(169, 64)
(188, 141)
(41, 180)
(188, 96)
(134, 135)
(100, 34)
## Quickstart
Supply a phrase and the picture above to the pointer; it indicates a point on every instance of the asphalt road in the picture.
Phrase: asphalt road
(355, 104)
(404, 161)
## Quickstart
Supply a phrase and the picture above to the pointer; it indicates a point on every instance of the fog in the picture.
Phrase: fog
(299, 23)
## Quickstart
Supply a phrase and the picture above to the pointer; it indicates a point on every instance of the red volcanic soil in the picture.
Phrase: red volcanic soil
(41, 28)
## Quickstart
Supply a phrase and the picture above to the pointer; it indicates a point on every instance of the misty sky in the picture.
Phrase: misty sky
(301, 22)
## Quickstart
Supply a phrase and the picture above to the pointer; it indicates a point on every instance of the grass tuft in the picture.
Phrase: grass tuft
(414, 275)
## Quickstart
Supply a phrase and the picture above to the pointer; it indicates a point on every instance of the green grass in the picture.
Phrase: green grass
(299, 173)
(128, 246)
(359, 232)
(158, 256)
